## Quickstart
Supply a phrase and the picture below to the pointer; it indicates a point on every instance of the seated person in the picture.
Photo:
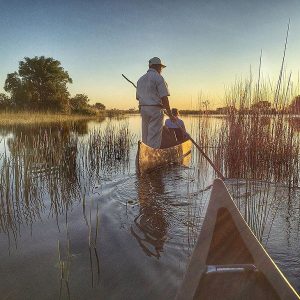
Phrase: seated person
(178, 132)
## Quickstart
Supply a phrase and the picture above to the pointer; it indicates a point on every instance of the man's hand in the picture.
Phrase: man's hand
(166, 106)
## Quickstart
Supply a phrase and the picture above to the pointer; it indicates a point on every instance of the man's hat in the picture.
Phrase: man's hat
(156, 61)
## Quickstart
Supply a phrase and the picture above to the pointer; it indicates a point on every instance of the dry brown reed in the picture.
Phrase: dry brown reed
(259, 142)
(257, 147)
(255, 143)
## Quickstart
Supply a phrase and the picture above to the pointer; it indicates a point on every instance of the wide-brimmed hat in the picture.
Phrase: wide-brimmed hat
(156, 61)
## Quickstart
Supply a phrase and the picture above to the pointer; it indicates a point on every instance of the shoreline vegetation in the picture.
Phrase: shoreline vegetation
(29, 117)
(10, 117)
(38, 93)
(32, 117)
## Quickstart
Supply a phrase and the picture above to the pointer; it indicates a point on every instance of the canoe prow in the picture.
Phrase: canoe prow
(228, 262)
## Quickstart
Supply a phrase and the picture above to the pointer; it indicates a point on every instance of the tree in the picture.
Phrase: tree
(205, 104)
(261, 106)
(295, 105)
(79, 103)
(40, 83)
(20, 94)
(5, 101)
(99, 106)
(228, 110)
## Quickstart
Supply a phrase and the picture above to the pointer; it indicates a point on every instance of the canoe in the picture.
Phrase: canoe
(149, 158)
(228, 262)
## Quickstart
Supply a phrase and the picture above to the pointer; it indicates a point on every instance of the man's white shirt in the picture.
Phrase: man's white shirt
(151, 87)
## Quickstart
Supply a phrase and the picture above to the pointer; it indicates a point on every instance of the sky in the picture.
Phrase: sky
(206, 44)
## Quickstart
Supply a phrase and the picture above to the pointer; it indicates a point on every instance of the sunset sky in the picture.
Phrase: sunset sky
(205, 44)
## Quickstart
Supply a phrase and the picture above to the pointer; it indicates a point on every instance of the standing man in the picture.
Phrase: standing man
(152, 94)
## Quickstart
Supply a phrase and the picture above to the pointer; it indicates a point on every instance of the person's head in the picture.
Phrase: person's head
(156, 64)
(175, 112)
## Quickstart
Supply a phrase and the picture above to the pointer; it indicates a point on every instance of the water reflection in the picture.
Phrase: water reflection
(41, 166)
(44, 170)
(262, 203)
(64, 260)
(78, 127)
(150, 226)
(50, 176)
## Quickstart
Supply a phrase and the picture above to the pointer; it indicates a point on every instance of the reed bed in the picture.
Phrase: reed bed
(259, 141)
(260, 154)
(256, 147)
(261, 151)
(254, 144)
(24, 118)
(48, 169)
(109, 146)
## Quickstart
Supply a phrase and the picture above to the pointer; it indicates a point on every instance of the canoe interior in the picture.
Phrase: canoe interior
(228, 248)
(149, 159)
(228, 262)
(227, 286)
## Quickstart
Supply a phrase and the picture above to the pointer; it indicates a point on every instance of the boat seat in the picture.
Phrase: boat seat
(232, 268)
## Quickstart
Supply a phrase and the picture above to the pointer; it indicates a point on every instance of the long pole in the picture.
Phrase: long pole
(129, 80)
(192, 140)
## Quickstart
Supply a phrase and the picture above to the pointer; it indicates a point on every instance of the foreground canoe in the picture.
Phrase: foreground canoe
(228, 261)
(149, 158)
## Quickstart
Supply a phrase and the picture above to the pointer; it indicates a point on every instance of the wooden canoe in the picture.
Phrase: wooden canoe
(149, 158)
(228, 262)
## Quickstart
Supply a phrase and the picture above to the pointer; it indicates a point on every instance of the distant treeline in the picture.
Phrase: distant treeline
(262, 107)
(40, 84)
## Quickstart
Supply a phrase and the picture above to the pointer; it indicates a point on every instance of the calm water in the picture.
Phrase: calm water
(73, 226)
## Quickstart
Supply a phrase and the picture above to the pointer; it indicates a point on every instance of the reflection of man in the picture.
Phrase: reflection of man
(150, 226)
(152, 94)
